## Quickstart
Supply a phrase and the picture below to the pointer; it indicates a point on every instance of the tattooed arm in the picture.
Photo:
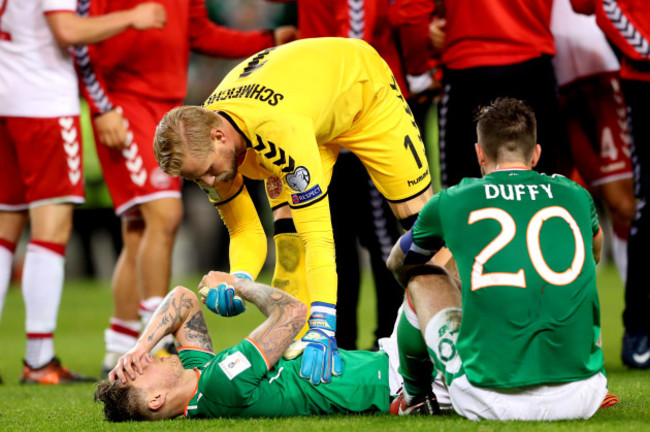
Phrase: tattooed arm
(179, 314)
(285, 315)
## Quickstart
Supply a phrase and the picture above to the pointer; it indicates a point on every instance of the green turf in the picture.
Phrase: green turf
(84, 313)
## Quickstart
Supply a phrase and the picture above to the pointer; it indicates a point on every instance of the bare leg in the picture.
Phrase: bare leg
(430, 294)
(125, 325)
(125, 289)
(162, 218)
(404, 210)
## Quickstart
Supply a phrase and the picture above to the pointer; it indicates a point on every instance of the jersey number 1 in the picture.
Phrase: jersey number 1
(408, 144)
(508, 230)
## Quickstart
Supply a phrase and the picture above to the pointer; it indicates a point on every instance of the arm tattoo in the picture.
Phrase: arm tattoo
(171, 314)
(284, 318)
(196, 330)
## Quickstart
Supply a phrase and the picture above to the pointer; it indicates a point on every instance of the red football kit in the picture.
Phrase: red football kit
(144, 73)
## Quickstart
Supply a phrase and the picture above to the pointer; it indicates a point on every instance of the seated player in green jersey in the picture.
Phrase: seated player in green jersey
(247, 380)
(520, 340)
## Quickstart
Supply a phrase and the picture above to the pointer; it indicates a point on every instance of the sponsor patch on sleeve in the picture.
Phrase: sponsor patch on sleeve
(308, 195)
(234, 364)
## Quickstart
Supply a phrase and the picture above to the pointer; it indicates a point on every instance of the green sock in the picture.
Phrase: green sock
(415, 366)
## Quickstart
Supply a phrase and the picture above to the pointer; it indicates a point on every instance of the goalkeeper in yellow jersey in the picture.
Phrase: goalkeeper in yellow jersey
(283, 115)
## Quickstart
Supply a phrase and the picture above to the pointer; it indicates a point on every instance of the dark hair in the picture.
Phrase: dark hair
(121, 401)
(506, 127)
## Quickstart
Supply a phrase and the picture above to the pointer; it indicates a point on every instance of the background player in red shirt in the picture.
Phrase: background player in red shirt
(130, 82)
(626, 23)
(492, 48)
(40, 169)
(593, 109)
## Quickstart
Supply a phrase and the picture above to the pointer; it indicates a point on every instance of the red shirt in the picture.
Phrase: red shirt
(153, 63)
(626, 23)
(496, 32)
(359, 19)
(412, 18)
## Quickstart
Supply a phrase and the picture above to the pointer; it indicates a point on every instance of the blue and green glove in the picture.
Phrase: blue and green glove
(320, 357)
(222, 300)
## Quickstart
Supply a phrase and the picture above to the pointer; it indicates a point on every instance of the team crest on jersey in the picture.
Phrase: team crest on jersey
(298, 180)
(273, 187)
(234, 364)
(159, 179)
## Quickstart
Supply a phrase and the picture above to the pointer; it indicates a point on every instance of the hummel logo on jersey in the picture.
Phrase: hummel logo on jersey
(255, 64)
(276, 155)
(72, 148)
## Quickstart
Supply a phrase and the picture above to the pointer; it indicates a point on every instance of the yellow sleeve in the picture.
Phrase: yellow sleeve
(287, 146)
(248, 242)
(314, 225)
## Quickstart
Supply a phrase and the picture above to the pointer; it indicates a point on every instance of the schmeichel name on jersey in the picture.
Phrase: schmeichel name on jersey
(251, 91)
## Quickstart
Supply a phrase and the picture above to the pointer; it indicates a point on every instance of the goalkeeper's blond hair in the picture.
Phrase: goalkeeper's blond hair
(183, 129)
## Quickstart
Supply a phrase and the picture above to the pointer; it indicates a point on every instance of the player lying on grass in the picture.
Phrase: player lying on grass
(248, 380)
(526, 343)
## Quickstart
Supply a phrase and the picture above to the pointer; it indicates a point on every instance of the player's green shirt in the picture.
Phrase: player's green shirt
(237, 383)
(523, 245)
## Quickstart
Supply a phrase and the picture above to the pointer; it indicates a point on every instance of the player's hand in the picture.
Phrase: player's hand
(285, 34)
(111, 128)
(222, 300)
(320, 357)
(437, 32)
(148, 15)
(214, 278)
(130, 364)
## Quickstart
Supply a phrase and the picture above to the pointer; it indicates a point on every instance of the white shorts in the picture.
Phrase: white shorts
(574, 400)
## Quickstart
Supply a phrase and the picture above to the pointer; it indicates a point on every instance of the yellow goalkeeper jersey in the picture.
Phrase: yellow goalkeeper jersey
(297, 105)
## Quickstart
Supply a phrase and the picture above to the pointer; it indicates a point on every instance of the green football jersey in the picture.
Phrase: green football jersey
(237, 383)
(523, 246)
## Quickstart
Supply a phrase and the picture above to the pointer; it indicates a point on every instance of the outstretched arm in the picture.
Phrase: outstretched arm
(179, 314)
(285, 315)
(70, 29)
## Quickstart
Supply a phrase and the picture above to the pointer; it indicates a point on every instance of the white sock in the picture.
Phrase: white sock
(619, 251)
(120, 337)
(42, 286)
(39, 351)
(407, 397)
(444, 326)
(6, 259)
(147, 308)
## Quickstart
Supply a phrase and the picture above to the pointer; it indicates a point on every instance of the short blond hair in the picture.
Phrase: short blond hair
(183, 129)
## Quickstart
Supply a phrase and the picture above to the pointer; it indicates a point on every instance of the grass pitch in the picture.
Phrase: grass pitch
(84, 312)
